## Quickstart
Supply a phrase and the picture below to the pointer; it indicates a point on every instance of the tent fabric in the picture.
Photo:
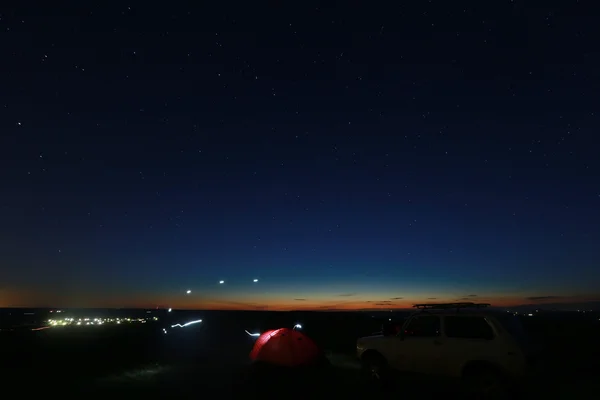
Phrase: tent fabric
(285, 347)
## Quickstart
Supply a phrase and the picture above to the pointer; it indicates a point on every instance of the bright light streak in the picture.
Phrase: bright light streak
(188, 291)
(252, 334)
(297, 326)
(221, 282)
(256, 280)
(186, 324)
(41, 329)
(170, 309)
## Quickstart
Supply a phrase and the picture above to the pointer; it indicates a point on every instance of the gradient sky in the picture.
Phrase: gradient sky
(347, 157)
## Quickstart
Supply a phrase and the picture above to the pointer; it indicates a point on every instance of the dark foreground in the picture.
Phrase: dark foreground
(211, 358)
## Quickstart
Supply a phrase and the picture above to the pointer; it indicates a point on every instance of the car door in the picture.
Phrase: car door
(466, 338)
(416, 347)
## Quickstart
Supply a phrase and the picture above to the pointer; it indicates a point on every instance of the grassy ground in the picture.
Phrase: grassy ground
(212, 359)
(341, 379)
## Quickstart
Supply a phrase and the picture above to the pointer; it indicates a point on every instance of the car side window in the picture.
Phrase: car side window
(467, 327)
(423, 326)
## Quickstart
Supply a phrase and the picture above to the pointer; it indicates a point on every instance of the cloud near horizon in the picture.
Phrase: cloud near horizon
(299, 299)
(347, 294)
(469, 297)
(541, 298)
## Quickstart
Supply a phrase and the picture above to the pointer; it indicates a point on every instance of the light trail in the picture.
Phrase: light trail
(252, 334)
(41, 329)
(186, 324)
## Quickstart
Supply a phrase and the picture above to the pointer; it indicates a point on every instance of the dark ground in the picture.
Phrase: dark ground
(212, 357)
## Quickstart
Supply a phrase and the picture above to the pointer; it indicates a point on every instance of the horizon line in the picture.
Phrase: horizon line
(333, 309)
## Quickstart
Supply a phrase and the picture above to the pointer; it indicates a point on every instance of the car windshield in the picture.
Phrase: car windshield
(513, 326)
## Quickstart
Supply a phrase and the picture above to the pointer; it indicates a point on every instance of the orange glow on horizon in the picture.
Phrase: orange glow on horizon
(266, 303)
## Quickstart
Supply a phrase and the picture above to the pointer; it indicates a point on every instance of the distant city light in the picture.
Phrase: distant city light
(221, 282)
(188, 291)
(255, 280)
(169, 310)
(96, 321)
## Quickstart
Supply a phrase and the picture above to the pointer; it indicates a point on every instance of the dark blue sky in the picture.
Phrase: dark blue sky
(346, 156)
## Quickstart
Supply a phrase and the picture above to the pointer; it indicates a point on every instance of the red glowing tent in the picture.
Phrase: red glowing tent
(285, 347)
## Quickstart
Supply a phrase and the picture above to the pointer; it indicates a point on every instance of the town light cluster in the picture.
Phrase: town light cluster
(97, 321)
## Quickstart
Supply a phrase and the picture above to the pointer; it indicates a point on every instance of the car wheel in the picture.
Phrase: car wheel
(375, 367)
(485, 383)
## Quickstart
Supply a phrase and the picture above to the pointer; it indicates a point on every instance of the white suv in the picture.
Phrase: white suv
(456, 340)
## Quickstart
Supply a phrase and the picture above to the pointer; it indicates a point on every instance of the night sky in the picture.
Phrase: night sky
(346, 155)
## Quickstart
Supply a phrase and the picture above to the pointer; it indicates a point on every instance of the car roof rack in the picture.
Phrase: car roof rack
(447, 306)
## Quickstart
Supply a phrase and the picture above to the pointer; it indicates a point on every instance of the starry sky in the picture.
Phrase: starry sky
(347, 155)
